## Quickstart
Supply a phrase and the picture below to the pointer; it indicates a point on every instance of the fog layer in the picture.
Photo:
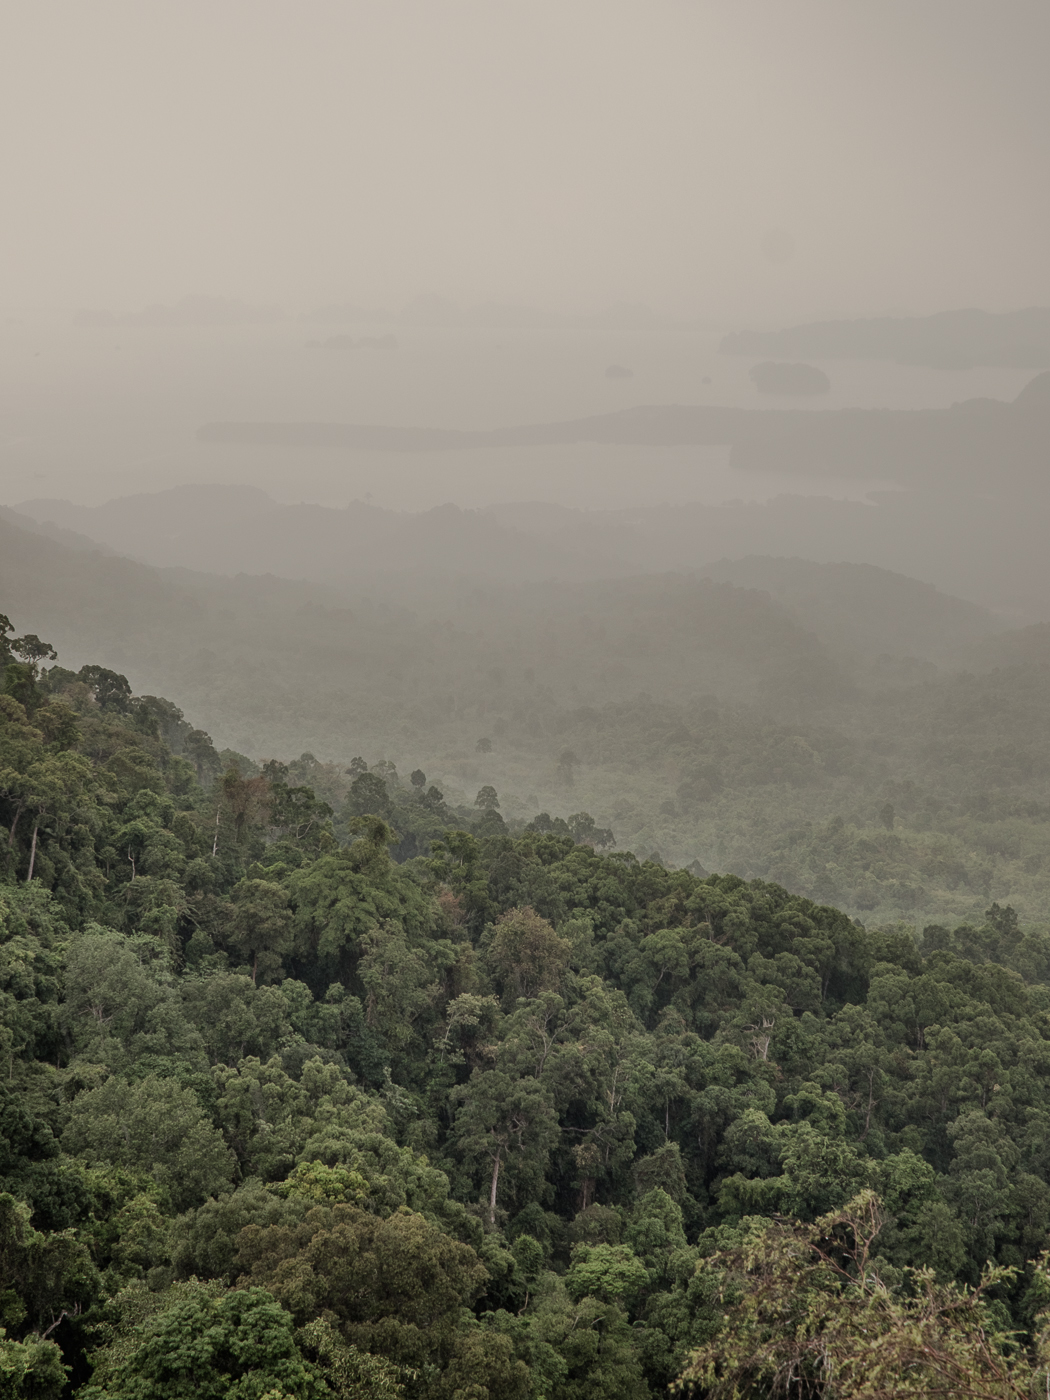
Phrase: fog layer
(468, 386)
(764, 161)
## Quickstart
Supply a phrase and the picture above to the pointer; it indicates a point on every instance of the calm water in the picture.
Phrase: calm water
(87, 414)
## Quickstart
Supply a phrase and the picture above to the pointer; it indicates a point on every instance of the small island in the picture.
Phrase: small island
(790, 377)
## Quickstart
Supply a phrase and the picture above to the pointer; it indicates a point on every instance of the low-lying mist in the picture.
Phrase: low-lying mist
(599, 567)
(92, 412)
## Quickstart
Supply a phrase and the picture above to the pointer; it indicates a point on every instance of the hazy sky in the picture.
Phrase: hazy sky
(735, 159)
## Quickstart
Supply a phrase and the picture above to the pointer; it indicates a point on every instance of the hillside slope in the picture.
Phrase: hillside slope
(286, 1116)
(696, 718)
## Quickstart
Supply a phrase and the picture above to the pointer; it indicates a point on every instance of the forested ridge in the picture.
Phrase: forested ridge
(319, 1085)
(719, 719)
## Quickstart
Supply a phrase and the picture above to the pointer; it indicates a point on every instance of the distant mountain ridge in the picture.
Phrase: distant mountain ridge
(989, 547)
(713, 715)
(300, 662)
(947, 340)
(240, 529)
(969, 438)
(858, 607)
(230, 530)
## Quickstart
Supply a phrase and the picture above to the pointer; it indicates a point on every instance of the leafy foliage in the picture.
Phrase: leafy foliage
(315, 1092)
(810, 1315)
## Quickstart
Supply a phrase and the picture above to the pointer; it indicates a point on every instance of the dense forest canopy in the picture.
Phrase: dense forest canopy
(321, 1084)
(524, 756)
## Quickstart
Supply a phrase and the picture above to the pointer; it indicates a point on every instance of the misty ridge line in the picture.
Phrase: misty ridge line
(992, 553)
(946, 340)
(525, 701)
(615, 636)
(848, 440)
(788, 664)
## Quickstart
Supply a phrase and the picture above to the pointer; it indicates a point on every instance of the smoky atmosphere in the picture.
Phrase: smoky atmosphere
(524, 700)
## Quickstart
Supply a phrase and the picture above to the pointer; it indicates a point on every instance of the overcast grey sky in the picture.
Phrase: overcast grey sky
(735, 159)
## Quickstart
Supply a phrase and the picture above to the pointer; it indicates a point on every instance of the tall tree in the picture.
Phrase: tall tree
(261, 927)
(507, 1124)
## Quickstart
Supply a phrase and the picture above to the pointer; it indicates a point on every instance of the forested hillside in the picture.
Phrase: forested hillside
(318, 1085)
(840, 729)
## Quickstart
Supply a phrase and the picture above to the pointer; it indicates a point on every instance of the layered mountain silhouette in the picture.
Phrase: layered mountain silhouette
(948, 340)
(256, 648)
(960, 443)
(987, 545)
(239, 530)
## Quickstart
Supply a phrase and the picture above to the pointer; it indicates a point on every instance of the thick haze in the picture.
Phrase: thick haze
(230, 225)
(468, 385)
(495, 433)
(760, 160)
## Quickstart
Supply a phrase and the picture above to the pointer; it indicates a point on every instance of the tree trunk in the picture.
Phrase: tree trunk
(255, 966)
(32, 850)
(14, 822)
(215, 843)
(492, 1192)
